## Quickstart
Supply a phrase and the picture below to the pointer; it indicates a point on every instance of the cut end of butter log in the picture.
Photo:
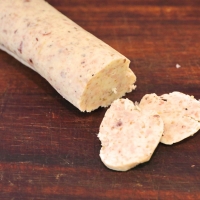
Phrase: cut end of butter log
(83, 69)
(128, 135)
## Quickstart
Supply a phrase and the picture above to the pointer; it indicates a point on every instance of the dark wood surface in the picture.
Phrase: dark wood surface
(50, 150)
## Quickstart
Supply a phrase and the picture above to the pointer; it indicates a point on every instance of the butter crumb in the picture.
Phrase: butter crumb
(178, 66)
(114, 90)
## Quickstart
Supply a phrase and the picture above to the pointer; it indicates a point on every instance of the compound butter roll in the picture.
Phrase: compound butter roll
(83, 69)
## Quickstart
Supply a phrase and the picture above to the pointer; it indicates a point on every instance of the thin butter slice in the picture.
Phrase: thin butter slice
(128, 135)
(180, 113)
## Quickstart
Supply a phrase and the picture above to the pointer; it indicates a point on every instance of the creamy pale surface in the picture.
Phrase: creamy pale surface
(128, 135)
(83, 69)
(180, 113)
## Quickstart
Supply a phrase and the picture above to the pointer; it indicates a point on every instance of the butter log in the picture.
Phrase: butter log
(83, 69)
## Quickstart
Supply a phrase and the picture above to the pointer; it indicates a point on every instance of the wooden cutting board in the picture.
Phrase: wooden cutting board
(50, 150)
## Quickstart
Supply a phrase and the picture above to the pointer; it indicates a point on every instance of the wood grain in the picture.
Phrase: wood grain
(49, 150)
